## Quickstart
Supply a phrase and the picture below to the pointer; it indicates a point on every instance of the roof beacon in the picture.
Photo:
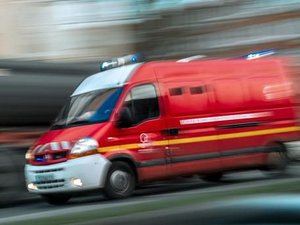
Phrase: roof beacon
(257, 55)
(121, 61)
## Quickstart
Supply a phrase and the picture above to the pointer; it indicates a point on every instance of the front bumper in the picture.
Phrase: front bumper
(90, 170)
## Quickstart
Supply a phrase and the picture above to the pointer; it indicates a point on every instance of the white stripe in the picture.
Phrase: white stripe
(54, 146)
(224, 118)
(65, 145)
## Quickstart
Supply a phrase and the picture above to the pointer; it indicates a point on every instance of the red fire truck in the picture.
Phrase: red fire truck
(144, 122)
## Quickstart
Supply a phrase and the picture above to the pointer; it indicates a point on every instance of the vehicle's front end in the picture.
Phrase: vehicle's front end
(67, 158)
(57, 166)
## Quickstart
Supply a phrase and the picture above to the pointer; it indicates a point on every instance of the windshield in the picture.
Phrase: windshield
(87, 108)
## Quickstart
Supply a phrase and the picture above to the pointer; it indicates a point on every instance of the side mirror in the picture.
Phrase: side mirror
(125, 118)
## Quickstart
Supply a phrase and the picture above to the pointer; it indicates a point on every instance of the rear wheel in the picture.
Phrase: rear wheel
(120, 181)
(277, 160)
(56, 199)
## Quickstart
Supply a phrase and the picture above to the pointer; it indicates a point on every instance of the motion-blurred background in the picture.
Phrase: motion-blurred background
(48, 46)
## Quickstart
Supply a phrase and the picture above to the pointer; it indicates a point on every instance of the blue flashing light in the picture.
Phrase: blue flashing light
(40, 159)
(133, 59)
(260, 54)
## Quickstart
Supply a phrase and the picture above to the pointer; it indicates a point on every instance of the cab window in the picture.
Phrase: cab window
(142, 103)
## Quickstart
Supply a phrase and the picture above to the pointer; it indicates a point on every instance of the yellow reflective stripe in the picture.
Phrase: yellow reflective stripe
(194, 139)
(234, 135)
(202, 139)
(118, 147)
(160, 143)
(259, 132)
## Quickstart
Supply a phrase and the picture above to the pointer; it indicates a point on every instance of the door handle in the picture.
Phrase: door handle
(171, 132)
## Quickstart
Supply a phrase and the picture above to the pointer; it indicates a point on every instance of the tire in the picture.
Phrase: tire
(213, 177)
(56, 199)
(277, 161)
(120, 181)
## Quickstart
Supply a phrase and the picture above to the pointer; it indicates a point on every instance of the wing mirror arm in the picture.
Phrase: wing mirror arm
(125, 118)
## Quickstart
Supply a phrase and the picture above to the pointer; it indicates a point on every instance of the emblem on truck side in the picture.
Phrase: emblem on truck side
(144, 138)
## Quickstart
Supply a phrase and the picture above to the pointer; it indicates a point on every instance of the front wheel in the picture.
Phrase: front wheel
(56, 199)
(120, 181)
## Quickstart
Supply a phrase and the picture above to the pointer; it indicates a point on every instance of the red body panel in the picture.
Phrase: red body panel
(212, 113)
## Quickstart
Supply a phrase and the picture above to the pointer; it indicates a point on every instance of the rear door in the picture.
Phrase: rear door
(143, 138)
(239, 121)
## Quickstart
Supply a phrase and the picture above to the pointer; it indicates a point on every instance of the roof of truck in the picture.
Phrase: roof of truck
(165, 70)
(208, 68)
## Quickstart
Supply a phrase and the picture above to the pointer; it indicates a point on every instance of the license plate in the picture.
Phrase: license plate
(44, 178)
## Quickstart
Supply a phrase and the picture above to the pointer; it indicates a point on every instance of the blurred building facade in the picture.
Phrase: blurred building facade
(69, 30)
(227, 28)
(88, 30)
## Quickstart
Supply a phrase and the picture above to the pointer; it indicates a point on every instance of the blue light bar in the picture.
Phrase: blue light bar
(40, 159)
(121, 61)
(257, 55)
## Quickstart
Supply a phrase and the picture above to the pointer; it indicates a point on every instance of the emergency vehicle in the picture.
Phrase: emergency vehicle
(135, 123)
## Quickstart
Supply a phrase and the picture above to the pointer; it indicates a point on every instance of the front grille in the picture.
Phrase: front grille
(59, 155)
(48, 171)
(51, 153)
(50, 156)
(50, 184)
(50, 181)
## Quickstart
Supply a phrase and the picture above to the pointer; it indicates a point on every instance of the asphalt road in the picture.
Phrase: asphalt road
(33, 206)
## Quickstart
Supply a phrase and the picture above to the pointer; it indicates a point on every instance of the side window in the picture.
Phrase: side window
(142, 102)
(186, 98)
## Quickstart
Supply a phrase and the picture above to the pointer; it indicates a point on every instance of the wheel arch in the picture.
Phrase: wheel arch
(126, 159)
(277, 156)
(277, 143)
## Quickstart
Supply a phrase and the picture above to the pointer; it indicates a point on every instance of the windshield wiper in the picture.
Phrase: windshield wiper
(58, 124)
(78, 121)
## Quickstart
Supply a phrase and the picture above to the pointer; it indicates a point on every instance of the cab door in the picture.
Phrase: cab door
(141, 136)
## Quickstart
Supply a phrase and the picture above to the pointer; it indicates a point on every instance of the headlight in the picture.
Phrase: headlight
(83, 147)
(29, 156)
